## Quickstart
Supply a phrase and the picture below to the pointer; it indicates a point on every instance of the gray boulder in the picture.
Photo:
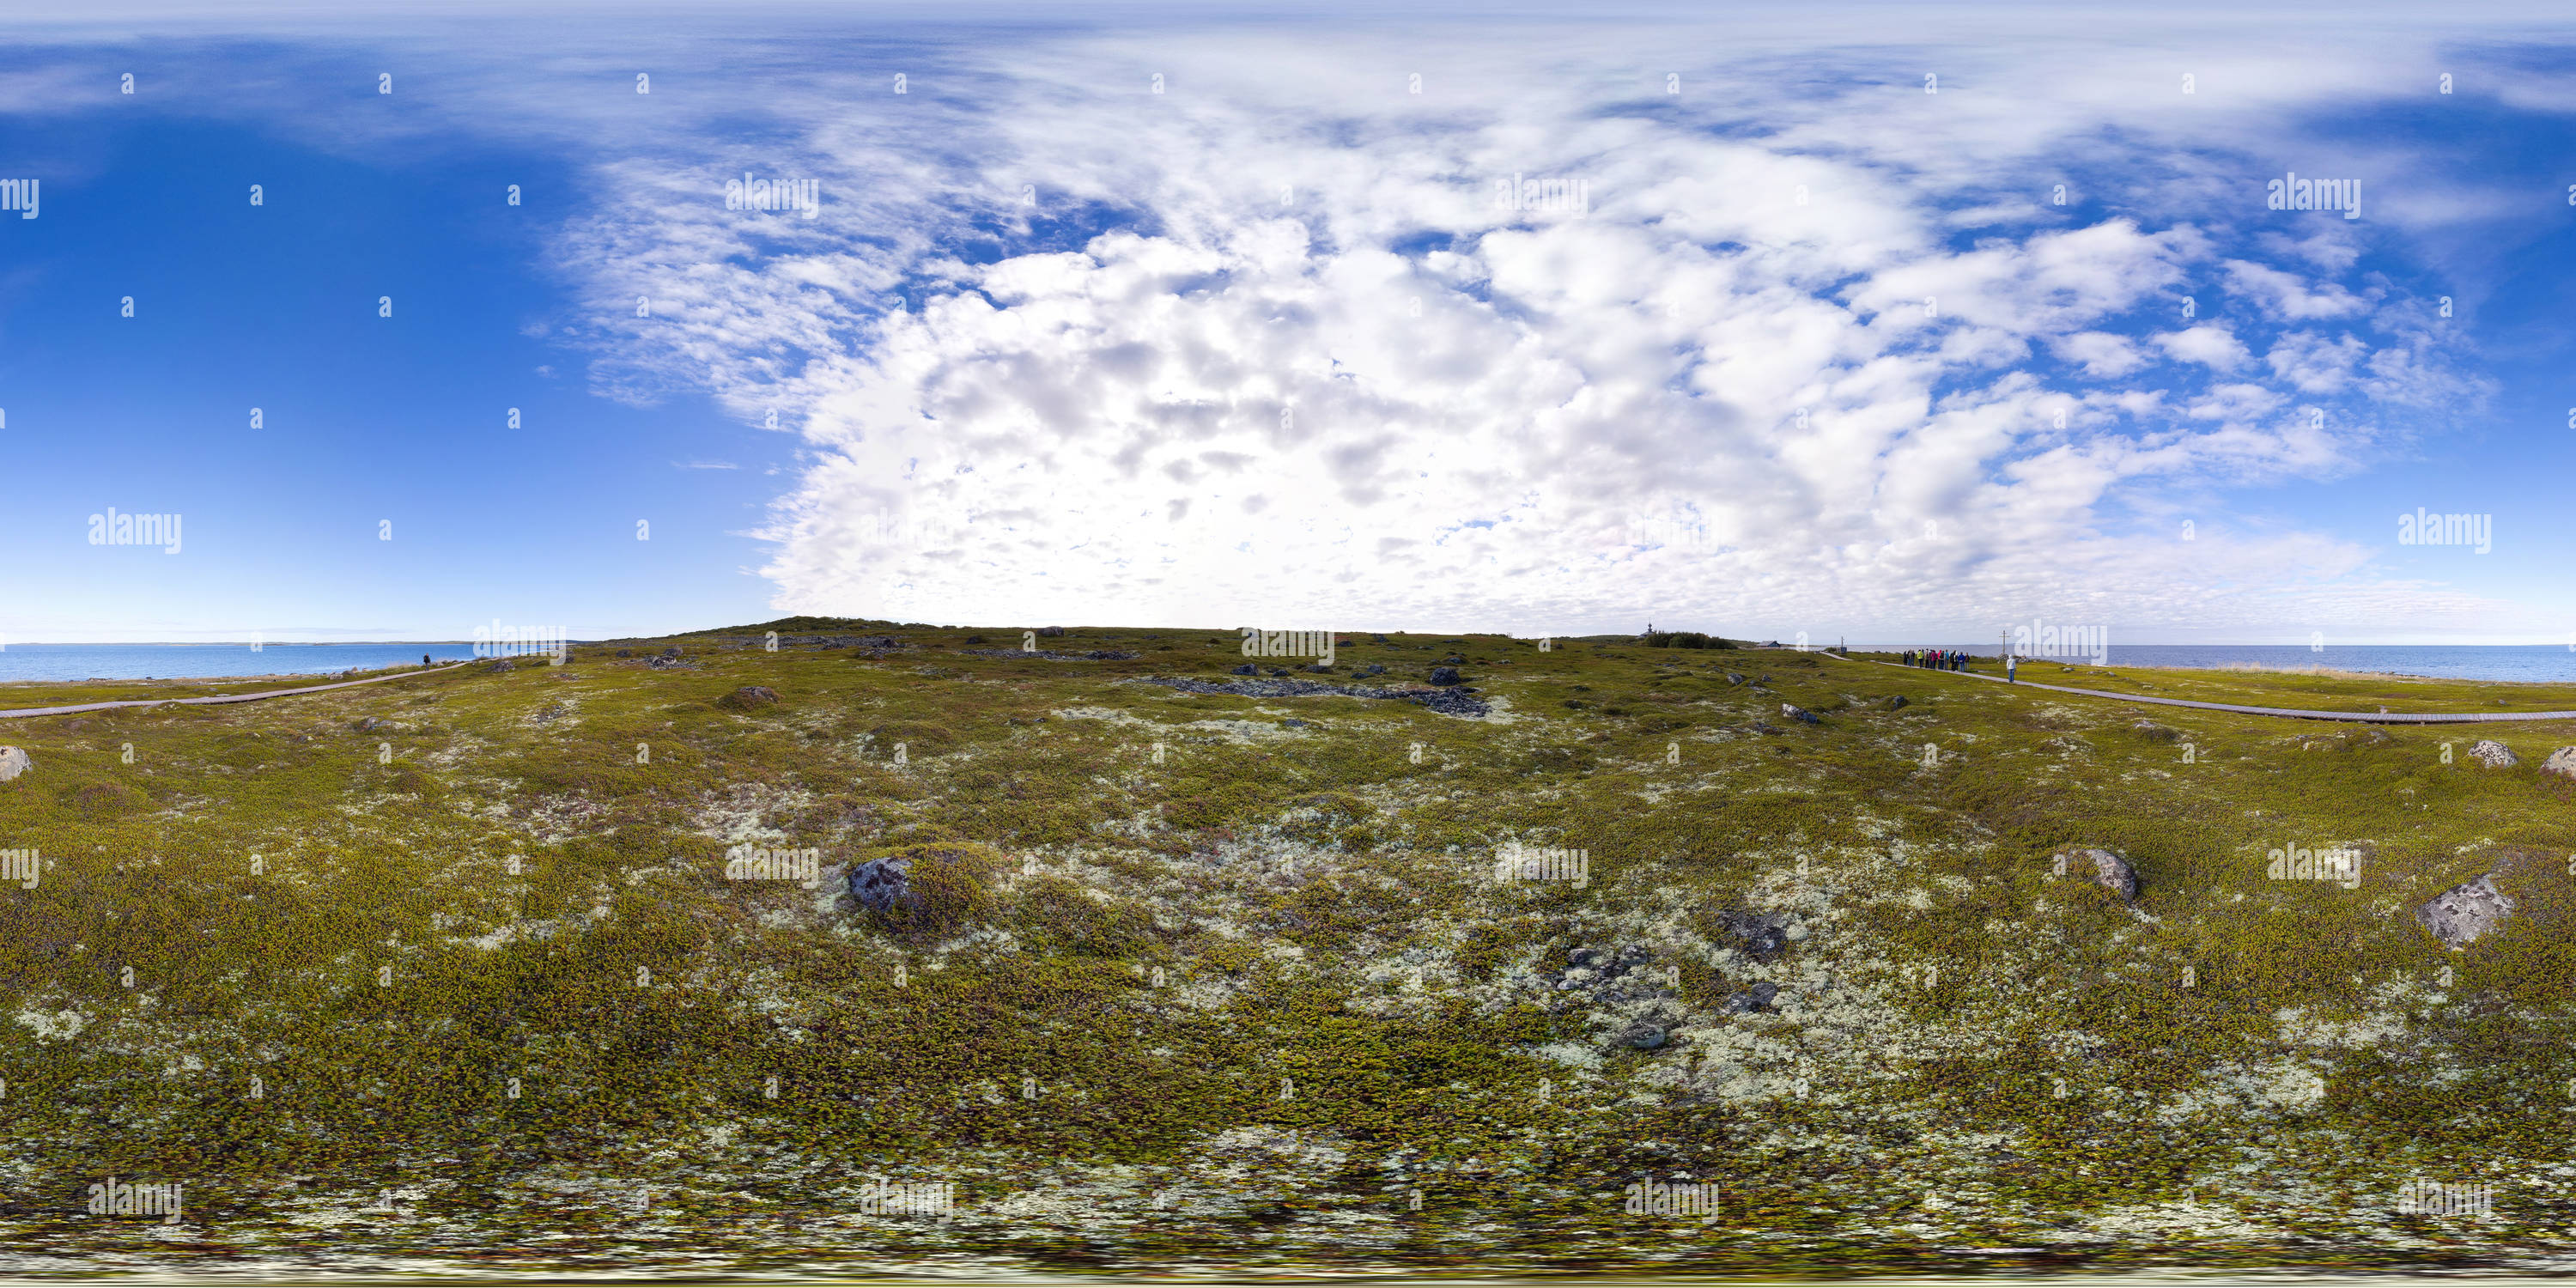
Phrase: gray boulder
(1799, 714)
(1444, 675)
(2493, 754)
(2459, 915)
(1733, 678)
(1751, 1000)
(1644, 1037)
(883, 885)
(1896, 702)
(2110, 871)
(1050, 632)
(1245, 669)
(2561, 761)
(13, 762)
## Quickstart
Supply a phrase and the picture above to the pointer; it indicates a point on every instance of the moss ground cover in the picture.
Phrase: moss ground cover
(1214, 977)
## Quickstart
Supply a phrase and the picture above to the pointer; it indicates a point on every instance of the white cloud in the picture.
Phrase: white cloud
(2214, 347)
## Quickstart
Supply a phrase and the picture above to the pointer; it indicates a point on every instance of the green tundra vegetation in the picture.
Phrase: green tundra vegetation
(451, 967)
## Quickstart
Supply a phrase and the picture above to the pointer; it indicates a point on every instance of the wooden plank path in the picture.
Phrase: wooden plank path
(221, 698)
(2295, 713)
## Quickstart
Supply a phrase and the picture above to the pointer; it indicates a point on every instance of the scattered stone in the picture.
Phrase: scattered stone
(2110, 871)
(1245, 669)
(1444, 675)
(1897, 702)
(2153, 732)
(367, 725)
(626, 652)
(1581, 956)
(977, 639)
(1760, 727)
(1294, 724)
(499, 664)
(2459, 915)
(749, 696)
(1278, 670)
(1756, 998)
(883, 885)
(673, 651)
(13, 762)
(2561, 761)
(1448, 701)
(1319, 668)
(2493, 754)
(1799, 714)
(1455, 660)
(1759, 935)
(1733, 678)
(1377, 639)
(1050, 632)
(1644, 1037)
(1374, 668)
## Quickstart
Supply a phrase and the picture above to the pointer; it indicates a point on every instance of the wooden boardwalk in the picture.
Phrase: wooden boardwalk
(2294, 713)
(222, 698)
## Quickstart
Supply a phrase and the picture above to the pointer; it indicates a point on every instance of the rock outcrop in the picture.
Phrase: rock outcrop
(2462, 914)
(2493, 754)
(13, 762)
(2108, 870)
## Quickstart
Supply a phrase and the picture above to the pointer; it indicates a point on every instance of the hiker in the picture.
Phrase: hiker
(1958, 661)
(2011, 664)
(424, 659)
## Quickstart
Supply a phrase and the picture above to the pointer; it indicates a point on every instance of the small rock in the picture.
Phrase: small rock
(2561, 761)
(1050, 632)
(1444, 675)
(2459, 915)
(1756, 998)
(975, 639)
(499, 664)
(1580, 956)
(1294, 724)
(1644, 1037)
(626, 652)
(2110, 871)
(1896, 702)
(1377, 639)
(1733, 678)
(1454, 660)
(1319, 668)
(1245, 669)
(1375, 668)
(882, 885)
(1760, 935)
(1279, 670)
(2493, 754)
(1798, 713)
(13, 762)
(367, 725)
(2154, 732)
(750, 695)
(673, 651)
(1759, 727)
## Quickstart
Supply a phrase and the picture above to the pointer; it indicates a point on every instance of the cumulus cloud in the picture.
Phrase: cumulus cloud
(1285, 344)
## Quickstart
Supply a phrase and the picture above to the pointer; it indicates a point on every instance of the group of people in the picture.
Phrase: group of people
(1938, 659)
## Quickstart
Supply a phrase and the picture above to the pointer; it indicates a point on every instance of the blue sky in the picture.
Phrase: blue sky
(1261, 346)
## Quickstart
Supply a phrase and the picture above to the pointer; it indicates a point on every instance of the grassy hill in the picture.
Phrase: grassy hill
(1209, 977)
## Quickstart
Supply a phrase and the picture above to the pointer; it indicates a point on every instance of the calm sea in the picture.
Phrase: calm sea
(2539, 663)
(192, 661)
